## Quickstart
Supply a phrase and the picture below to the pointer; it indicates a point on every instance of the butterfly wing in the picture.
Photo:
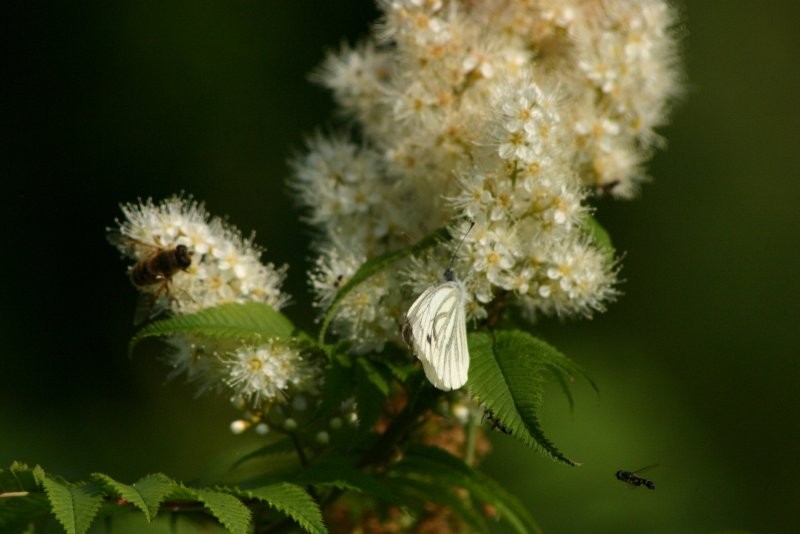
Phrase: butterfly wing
(439, 334)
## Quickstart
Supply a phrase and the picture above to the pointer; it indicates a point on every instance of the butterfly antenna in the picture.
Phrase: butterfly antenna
(448, 273)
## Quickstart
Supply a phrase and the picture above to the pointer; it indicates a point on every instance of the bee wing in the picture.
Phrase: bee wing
(157, 300)
(439, 334)
(148, 306)
(130, 247)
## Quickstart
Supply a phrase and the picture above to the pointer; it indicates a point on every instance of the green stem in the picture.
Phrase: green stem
(298, 447)
(301, 455)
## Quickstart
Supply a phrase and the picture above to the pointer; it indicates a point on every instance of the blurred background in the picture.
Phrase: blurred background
(698, 362)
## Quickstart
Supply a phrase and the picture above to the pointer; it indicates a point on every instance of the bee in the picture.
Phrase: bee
(632, 478)
(489, 415)
(157, 267)
(160, 265)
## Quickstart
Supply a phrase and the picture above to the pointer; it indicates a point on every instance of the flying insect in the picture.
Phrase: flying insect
(632, 478)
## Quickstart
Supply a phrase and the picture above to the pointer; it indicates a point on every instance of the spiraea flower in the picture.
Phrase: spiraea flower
(266, 373)
(508, 116)
(225, 267)
(220, 267)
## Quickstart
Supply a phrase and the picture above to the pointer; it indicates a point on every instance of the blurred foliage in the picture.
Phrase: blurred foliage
(697, 363)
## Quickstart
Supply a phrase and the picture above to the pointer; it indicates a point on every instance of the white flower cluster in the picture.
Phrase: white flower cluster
(224, 266)
(507, 114)
(220, 267)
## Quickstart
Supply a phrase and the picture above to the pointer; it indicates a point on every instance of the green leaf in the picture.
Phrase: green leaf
(21, 499)
(281, 447)
(74, 505)
(293, 501)
(372, 388)
(561, 367)
(251, 321)
(373, 266)
(506, 374)
(437, 467)
(19, 508)
(228, 509)
(402, 370)
(340, 473)
(563, 383)
(19, 477)
(338, 384)
(598, 234)
(146, 494)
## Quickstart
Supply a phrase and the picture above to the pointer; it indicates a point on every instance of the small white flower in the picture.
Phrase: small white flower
(460, 412)
(506, 114)
(239, 426)
(356, 77)
(264, 374)
(290, 425)
(544, 291)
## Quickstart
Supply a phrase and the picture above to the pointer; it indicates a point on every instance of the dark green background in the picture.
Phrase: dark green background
(697, 363)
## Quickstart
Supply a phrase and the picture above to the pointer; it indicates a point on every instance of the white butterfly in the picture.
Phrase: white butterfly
(436, 328)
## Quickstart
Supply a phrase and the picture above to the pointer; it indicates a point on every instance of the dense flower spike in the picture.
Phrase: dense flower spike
(222, 268)
(508, 114)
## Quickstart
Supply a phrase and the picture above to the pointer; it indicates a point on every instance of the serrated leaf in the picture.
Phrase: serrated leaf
(563, 384)
(146, 494)
(293, 501)
(507, 379)
(19, 477)
(438, 467)
(73, 505)
(251, 321)
(229, 510)
(373, 266)
(561, 367)
(599, 235)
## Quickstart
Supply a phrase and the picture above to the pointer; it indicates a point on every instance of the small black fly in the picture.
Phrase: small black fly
(632, 478)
